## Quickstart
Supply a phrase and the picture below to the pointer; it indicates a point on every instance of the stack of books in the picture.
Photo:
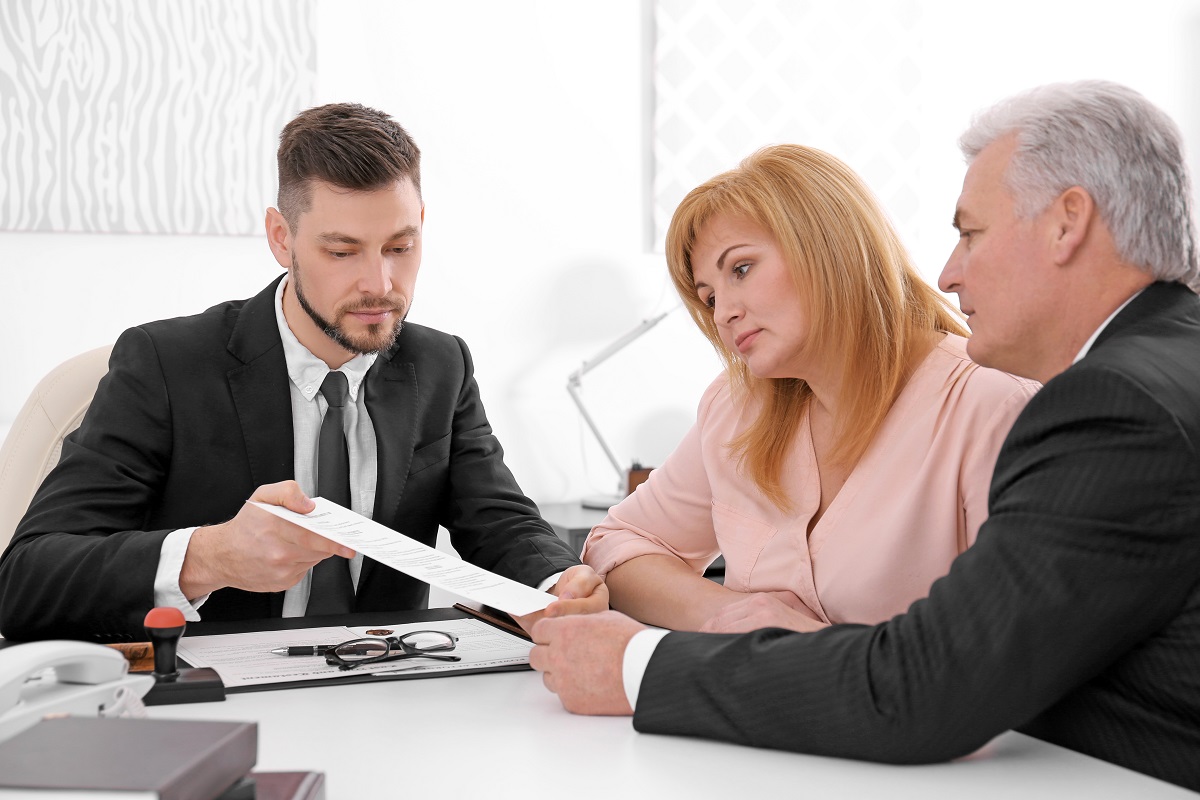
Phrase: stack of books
(78, 757)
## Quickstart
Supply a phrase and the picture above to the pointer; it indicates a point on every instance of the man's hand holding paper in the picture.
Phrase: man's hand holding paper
(582, 588)
(256, 551)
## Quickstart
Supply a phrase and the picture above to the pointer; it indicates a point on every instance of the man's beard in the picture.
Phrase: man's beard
(376, 339)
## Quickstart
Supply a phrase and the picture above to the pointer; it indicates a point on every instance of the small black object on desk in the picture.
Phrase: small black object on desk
(165, 626)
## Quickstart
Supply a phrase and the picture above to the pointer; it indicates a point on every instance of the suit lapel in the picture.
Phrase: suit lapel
(1156, 300)
(259, 387)
(391, 396)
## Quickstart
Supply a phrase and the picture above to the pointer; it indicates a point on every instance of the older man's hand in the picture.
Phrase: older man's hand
(581, 660)
(256, 550)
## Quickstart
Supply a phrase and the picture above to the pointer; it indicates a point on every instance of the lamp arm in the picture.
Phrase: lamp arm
(575, 380)
(573, 389)
(612, 349)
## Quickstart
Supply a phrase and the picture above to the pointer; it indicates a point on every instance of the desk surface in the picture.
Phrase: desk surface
(504, 735)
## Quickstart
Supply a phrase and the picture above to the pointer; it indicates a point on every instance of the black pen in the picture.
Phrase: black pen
(308, 650)
(320, 650)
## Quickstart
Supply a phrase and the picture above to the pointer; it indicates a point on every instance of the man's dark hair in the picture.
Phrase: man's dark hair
(346, 145)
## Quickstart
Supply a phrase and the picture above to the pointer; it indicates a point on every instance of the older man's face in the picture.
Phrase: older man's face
(999, 269)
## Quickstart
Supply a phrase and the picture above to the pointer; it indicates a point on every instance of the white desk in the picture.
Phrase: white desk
(504, 735)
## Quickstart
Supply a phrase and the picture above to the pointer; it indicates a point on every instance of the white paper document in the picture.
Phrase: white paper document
(409, 556)
(245, 659)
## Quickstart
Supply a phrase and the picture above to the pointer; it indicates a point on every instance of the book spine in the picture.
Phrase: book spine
(230, 760)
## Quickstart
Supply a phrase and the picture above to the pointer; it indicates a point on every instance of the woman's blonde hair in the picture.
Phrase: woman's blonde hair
(868, 307)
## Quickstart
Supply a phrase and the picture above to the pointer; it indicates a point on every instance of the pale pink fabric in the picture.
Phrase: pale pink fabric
(913, 503)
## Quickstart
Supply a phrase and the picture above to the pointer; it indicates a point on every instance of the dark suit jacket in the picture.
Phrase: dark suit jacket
(1075, 617)
(194, 414)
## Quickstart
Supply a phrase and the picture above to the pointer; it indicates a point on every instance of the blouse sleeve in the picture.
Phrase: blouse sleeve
(980, 458)
(669, 514)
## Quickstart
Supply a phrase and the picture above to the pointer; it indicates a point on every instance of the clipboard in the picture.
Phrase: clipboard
(495, 617)
(362, 619)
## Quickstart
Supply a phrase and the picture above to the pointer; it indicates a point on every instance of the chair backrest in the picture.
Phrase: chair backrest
(34, 441)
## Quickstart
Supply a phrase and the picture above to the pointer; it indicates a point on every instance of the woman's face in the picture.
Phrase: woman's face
(740, 273)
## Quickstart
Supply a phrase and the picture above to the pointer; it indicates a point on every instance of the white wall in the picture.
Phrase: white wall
(529, 117)
(530, 114)
(977, 53)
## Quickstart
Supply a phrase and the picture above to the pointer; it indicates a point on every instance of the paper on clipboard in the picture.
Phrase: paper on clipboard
(246, 659)
(413, 558)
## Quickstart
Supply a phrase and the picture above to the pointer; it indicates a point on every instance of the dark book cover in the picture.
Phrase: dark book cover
(177, 759)
(289, 785)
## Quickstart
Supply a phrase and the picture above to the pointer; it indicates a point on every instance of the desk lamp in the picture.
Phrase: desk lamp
(627, 479)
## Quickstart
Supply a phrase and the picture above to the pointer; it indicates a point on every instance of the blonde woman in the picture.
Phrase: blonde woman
(843, 459)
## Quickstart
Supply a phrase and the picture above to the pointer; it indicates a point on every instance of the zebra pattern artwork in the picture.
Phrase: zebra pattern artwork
(141, 116)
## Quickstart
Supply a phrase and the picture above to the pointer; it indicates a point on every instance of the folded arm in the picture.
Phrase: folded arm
(652, 547)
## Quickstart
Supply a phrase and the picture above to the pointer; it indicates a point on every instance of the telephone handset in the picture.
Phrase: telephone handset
(89, 680)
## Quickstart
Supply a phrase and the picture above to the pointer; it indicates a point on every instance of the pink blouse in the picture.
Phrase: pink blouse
(915, 500)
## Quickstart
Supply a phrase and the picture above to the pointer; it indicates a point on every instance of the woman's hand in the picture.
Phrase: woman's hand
(764, 610)
(579, 591)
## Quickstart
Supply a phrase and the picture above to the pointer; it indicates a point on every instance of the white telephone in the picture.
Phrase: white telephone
(89, 680)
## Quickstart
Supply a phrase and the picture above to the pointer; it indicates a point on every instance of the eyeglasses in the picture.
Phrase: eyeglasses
(374, 650)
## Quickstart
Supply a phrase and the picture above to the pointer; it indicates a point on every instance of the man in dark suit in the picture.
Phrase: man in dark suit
(1076, 616)
(148, 504)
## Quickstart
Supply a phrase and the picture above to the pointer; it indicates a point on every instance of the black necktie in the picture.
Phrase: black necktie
(332, 591)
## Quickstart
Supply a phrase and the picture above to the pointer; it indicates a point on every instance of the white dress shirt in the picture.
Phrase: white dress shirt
(641, 647)
(1083, 351)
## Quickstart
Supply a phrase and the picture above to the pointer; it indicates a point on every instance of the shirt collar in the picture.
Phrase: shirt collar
(1087, 346)
(306, 370)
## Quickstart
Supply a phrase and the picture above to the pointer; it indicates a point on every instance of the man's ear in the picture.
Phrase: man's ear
(279, 238)
(1072, 216)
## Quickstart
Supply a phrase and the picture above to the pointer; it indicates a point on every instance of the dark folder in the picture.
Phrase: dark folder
(278, 786)
(360, 619)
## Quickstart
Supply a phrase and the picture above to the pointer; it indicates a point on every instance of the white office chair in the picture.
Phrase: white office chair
(34, 442)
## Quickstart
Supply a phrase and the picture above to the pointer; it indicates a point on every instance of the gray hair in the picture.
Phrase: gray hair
(1115, 144)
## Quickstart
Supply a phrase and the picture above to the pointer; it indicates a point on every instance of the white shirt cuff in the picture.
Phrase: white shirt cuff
(637, 657)
(166, 581)
(548, 584)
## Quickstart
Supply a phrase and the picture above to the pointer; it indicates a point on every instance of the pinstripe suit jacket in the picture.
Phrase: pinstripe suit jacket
(1074, 618)
(194, 414)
